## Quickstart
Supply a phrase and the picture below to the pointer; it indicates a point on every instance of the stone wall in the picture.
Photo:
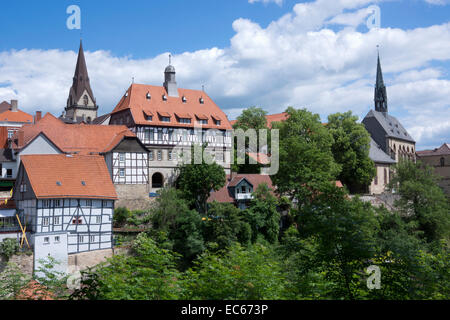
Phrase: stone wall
(84, 260)
(133, 196)
(24, 261)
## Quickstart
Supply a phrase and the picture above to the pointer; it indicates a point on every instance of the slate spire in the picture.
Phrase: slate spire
(380, 91)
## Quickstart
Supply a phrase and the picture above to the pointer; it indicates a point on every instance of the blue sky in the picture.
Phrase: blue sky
(271, 53)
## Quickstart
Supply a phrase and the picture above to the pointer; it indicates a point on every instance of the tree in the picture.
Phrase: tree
(149, 274)
(262, 215)
(225, 225)
(351, 150)
(196, 181)
(306, 160)
(237, 273)
(12, 281)
(422, 202)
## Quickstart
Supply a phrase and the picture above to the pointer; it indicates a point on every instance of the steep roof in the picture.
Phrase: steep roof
(441, 151)
(45, 171)
(391, 126)
(4, 106)
(18, 116)
(224, 195)
(377, 155)
(101, 119)
(81, 77)
(137, 102)
(74, 138)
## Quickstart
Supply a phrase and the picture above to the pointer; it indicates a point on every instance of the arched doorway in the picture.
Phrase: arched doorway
(157, 180)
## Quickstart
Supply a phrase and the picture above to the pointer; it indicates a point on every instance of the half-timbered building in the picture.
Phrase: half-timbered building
(67, 203)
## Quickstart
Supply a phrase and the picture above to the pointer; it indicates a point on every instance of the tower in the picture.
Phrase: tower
(380, 91)
(169, 80)
(81, 104)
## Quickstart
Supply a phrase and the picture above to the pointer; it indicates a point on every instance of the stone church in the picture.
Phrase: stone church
(390, 141)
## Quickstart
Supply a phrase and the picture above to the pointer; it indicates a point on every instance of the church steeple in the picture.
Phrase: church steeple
(380, 91)
(81, 103)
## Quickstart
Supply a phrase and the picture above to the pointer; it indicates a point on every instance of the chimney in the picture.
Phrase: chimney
(232, 175)
(20, 142)
(38, 116)
(14, 105)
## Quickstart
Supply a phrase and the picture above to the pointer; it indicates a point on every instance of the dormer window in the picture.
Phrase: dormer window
(184, 120)
(164, 97)
(165, 119)
(184, 99)
(148, 96)
(126, 94)
(202, 101)
(149, 118)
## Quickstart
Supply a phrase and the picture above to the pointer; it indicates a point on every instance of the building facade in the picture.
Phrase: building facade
(439, 159)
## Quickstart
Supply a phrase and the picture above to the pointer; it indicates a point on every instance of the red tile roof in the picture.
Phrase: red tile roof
(261, 158)
(276, 118)
(18, 116)
(136, 101)
(223, 195)
(75, 138)
(45, 171)
(441, 151)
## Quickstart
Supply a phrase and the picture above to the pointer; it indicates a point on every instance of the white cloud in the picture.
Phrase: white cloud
(438, 2)
(296, 60)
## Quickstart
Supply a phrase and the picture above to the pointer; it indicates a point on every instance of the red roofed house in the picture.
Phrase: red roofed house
(168, 120)
(11, 119)
(438, 158)
(125, 156)
(238, 189)
(67, 203)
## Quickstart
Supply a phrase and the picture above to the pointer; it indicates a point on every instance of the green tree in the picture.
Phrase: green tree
(9, 247)
(422, 202)
(262, 215)
(306, 160)
(149, 274)
(224, 225)
(351, 150)
(196, 181)
(12, 281)
(238, 273)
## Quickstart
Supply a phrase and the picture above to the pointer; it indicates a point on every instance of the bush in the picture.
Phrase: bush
(9, 247)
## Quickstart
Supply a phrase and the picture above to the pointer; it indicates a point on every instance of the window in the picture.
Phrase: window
(217, 122)
(122, 172)
(45, 222)
(159, 155)
(10, 134)
(122, 157)
(202, 101)
(170, 155)
(47, 240)
(9, 173)
(104, 203)
(150, 155)
(184, 99)
(149, 118)
(203, 121)
(85, 100)
(98, 219)
(442, 162)
(57, 239)
(77, 221)
(184, 120)
(80, 239)
(385, 176)
(56, 220)
(57, 203)
(88, 203)
(46, 203)
(244, 189)
(165, 119)
(92, 239)
(23, 187)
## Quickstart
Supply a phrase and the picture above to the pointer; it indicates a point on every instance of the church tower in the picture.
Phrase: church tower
(380, 91)
(81, 104)
(170, 82)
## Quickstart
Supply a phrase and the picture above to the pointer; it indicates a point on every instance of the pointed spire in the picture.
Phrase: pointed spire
(380, 90)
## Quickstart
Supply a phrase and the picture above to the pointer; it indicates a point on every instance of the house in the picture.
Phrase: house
(239, 188)
(439, 159)
(11, 120)
(383, 163)
(125, 156)
(66, 202)
(169, 120)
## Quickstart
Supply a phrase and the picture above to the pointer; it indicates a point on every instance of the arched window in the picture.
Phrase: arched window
(442, 162)
(157, 180)
(85, 100)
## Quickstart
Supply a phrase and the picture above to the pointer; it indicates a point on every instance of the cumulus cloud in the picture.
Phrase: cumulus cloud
(296, 60)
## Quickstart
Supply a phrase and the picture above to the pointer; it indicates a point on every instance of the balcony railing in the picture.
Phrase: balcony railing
(244, 196)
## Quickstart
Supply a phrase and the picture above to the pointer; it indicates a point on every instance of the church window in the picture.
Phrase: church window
(85, 100)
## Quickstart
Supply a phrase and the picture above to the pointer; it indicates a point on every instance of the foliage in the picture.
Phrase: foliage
(53, 280)
(351, 150)
(422, 202)
(196, 181)
(150, 274)
(12, 281)
(9, 247)
(306, 160)
(262, 215)
(225, 225)
(238, 273)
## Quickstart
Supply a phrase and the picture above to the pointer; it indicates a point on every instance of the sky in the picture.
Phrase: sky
(319, 54)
